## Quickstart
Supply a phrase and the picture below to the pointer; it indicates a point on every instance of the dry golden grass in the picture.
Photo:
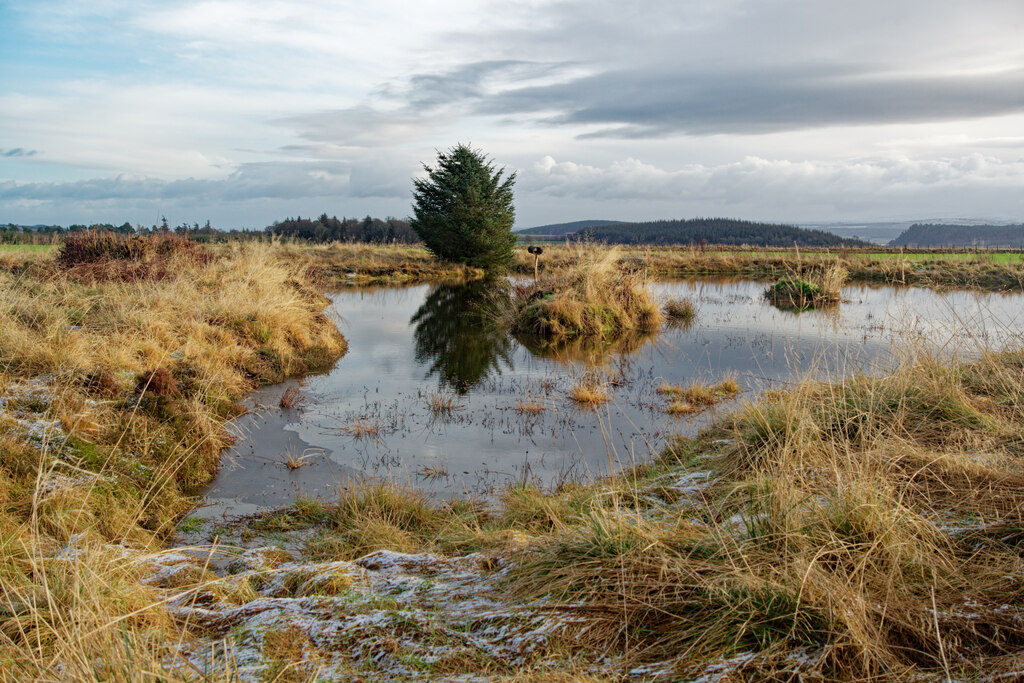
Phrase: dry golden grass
(697, 397)
(530, 406)
(361, 428)
(843, 521)
(678, 407)
(590, 297)
(864, 529)
(820, 289)
(923, 267)
(589, 392)
(137, 378)
(680, 312)
(443, 405)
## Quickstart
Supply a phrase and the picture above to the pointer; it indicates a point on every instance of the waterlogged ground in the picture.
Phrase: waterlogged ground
(411, 348)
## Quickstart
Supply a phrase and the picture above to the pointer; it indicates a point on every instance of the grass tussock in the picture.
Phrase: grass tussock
(361, 428)
(590, 297)
(680, 312)
(589, 391)
(291, 398)
(822, 289)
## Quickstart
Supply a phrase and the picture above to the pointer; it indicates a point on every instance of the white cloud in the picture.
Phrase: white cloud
(785, 106)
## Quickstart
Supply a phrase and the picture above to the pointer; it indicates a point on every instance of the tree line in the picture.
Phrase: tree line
(942, 235)
(324, 229)
(713, 231)
(319, 230)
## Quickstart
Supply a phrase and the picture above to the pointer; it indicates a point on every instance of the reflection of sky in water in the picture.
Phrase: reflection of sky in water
(487, 442)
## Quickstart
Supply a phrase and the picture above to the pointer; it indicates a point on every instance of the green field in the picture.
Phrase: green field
(999, 257)
(8, 248)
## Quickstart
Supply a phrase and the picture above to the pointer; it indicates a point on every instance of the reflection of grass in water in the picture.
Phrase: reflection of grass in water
(587, 351)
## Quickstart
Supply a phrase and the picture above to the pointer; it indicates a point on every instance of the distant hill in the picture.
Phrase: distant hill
(876, 233)
(715, 231)
(943, 235)
(564, 228)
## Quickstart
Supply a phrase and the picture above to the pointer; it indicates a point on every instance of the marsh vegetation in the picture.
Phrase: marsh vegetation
(853, 525)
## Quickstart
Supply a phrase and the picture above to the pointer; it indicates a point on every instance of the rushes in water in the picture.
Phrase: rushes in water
(442, 405)
(361, 428)
(431, 472)
(589, 392)
(696, 397)
(294, 461)
(680, 311)
(530, 406)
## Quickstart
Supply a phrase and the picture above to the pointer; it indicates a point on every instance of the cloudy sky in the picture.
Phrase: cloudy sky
(246, 111)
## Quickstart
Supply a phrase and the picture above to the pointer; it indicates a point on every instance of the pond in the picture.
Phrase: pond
(432, 394)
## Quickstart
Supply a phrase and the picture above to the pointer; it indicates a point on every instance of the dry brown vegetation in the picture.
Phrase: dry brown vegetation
(697, 397)
(115, 389)
(530, 406)
(589, 297)
(932, 268)
(589, 391)
(822, 288)
(871, 528)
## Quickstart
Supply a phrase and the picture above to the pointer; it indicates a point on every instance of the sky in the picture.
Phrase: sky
(242, 112)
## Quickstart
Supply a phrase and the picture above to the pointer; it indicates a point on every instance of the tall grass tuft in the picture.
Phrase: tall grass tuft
(679, 311)
(591, 296)
(822, 289)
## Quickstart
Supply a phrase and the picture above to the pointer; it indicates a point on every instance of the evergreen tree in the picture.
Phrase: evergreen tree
(463, 209)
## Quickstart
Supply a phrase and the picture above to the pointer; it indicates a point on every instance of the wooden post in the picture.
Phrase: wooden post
(536, 251)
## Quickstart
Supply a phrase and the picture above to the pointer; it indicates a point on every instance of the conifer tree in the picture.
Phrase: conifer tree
(463, 209)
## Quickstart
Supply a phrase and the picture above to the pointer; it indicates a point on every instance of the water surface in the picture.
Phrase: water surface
(410, 346)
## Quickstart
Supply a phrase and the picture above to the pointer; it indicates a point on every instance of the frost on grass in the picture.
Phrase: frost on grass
(385, 614)
(23, 408)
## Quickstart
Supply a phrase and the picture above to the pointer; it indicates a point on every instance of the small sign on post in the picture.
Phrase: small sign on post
(536, 251)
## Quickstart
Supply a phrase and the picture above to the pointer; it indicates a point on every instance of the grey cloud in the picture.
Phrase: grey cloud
(423, 101)
(256, 181)
(772, 181)
(645, 104)
(18, 152)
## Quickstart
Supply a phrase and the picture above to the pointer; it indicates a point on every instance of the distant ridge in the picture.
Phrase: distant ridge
(944, 235)
(564, 228)
(715, 231)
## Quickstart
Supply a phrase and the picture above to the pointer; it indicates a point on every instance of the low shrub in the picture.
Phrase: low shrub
(108, 255)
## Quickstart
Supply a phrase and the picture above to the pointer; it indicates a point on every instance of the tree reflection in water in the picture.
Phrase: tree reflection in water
(459, 337)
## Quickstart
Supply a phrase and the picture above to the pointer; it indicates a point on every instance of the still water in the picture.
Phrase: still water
(411, 346)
